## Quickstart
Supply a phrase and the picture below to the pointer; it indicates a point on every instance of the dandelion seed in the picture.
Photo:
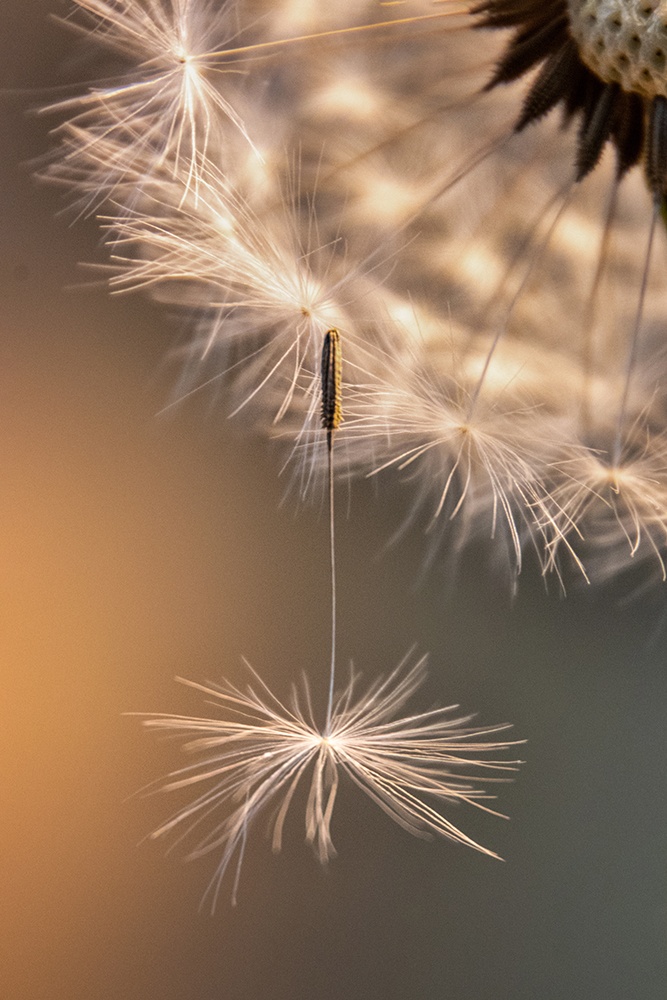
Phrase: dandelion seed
(614, 511)
(167, 111)
(473, 460)
(264, 293)
(408, 765)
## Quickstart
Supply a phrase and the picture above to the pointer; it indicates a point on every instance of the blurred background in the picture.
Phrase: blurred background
(134, 547)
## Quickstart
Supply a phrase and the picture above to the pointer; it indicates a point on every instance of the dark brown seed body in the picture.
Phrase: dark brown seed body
(332, 400)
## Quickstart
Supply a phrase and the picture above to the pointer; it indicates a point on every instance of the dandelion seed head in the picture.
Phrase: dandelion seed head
(486, 263)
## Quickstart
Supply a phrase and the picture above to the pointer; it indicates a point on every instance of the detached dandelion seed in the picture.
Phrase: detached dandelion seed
(407, 765)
